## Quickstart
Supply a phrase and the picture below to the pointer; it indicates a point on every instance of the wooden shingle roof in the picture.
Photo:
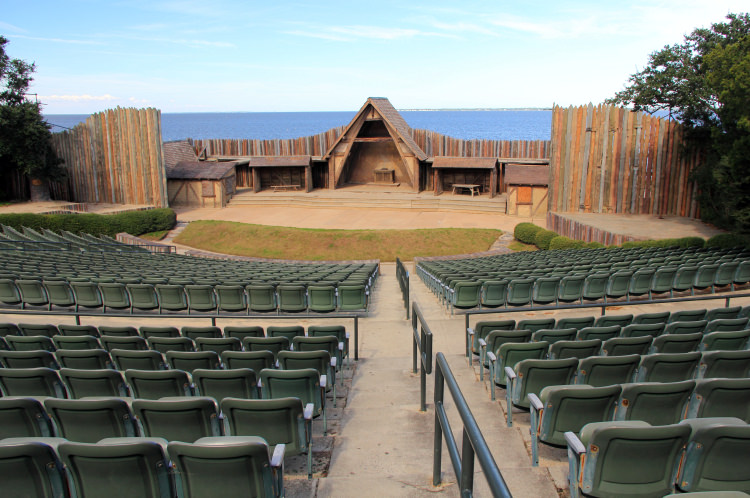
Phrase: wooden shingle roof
(200, 170)
(393, 121)
(177, 151)
(464, 162)
(275, 161)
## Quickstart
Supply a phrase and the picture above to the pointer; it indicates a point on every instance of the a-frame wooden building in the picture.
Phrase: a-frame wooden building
(376, 147)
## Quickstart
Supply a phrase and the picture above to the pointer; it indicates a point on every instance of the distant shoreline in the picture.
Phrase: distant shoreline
(481, 109)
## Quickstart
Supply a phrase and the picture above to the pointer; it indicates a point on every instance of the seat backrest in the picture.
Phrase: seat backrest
(576, 322)
(190, 360)
(602, 333)
(24, 417)
(574, 349)
(254, 360)
(32, 382)
(716, 453)
(118, 330)
(231, 297)
(303, 384)
(165, 344)
(32, 469)
(149, 331)
(90, 420)
(534, 324)
(125, 359)
(28, 359)
(554, 335)
(687, 315)
(32, 329)
(569, 408)
(609, 320)
(618, 346)
(657, 317)
(193, 332)
(278, 421)
(138, 466)
(218, 344)
(272, 344)
(236, 468)
(720, 398)
(497, 338)
(171, 297)
(725, 364)
(76, 342)
(242, 331)
(668, 367)
(535, 375)
(685, 327)
(232, 383)
(600, 371)
(727, 341)
(676, 343)
(609, 466)
(726, 325)
(288, 331)
(658, 403)
(133, 343)
(73, 330)
(155, 384)
(82, 383)
(179, 418)
(727, 313)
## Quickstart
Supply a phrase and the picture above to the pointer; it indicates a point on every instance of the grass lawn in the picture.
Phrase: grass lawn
(318, 244)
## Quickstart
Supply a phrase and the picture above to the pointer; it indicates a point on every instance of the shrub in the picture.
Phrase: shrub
(594, 245)
(691, 242)
(543, 238)
(728, 240)
(525, 232)
(561, 242)
(132, 222)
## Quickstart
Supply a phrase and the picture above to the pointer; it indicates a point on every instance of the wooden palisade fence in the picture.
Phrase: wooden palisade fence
(432, 143)
(116, 156)
(609, 159)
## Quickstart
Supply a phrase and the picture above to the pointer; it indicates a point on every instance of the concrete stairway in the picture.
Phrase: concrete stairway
(371, 198)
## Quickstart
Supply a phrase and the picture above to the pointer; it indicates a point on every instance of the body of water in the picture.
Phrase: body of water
(464, 124)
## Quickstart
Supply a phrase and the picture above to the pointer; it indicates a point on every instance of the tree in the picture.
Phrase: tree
(703, 83)
(24, 135)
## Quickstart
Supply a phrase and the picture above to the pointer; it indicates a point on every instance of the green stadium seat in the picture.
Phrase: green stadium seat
(658, 403)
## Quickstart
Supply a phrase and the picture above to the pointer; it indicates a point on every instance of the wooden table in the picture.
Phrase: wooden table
(473, 189)
(384, 175)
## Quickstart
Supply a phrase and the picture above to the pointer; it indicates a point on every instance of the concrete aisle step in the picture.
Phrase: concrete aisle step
(385, 444)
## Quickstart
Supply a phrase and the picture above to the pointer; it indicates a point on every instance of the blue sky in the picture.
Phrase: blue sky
(234, 55)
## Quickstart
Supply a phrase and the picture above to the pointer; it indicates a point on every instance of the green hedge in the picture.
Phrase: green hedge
(526, 232)
(132, 222)
(728, 240)
(543, 238)
(561, 242)
(682, 243)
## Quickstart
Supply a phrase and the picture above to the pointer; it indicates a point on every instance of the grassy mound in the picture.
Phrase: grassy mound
(262, 241)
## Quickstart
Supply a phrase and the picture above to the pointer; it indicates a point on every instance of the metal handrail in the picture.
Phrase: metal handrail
(423, 344)
(522, 309)
(473, 443)
(34, 245)
(402, 275)
(211, 316)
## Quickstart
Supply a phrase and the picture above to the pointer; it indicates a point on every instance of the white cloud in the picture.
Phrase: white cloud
(58, 40)
(77, 98)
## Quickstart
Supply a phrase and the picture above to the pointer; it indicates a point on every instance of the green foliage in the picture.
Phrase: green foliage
(594, 245)
(132, 222)
(24, 135)
(705, 83)
(543, 238)
(561, 242)
(683, 242)
(728, 240)
(526, 232)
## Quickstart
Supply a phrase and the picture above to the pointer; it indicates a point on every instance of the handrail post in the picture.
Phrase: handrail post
(437, 452)
(422, 344)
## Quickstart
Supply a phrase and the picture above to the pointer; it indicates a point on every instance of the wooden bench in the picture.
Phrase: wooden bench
(473, 189)
(277, 188)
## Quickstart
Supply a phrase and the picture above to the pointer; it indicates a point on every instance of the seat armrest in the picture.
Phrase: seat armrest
(323, 381)
(491, 356)
(482, 343)
(574, 443)
(469, 331)
(278, 455)
(509, 374)
(535, 403)
(341, 346)
(333, 362)
(308, 412)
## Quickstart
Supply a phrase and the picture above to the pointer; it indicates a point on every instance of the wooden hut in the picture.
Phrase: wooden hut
(278, 172)
(200, 183)
(473, 174)
(527, 186)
